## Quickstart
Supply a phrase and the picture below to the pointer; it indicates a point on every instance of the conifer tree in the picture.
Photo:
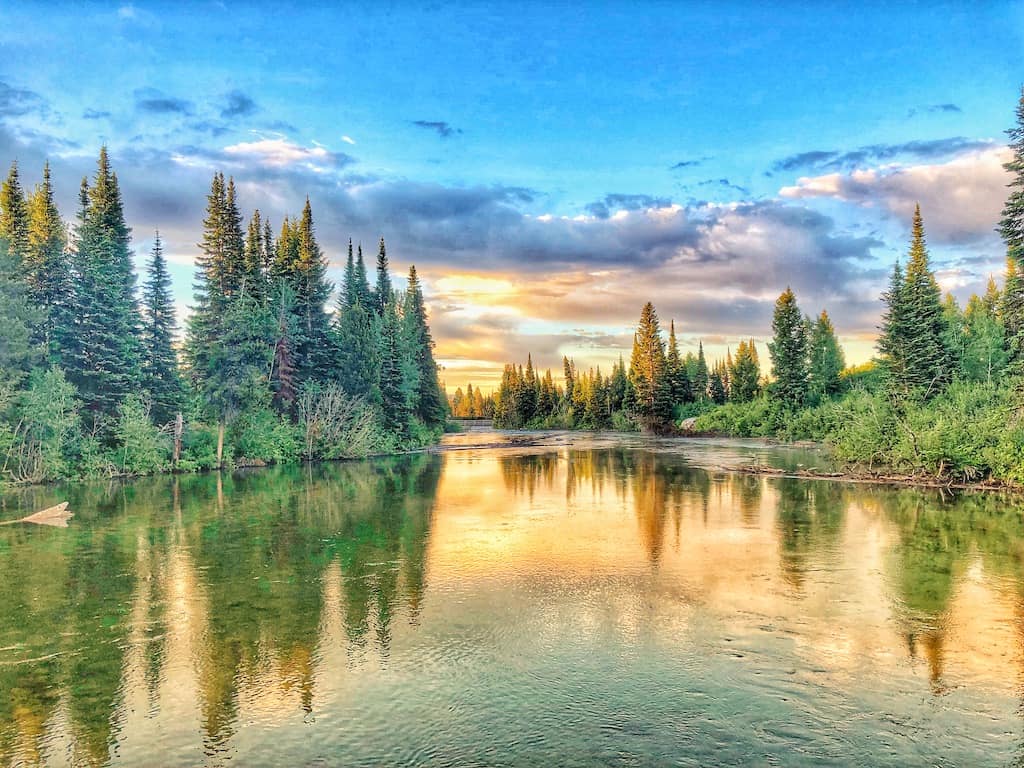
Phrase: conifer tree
(382, 292)
(679, 381)
(309, 282)
(826, 358)
(14, 221)
(18, 354)
(699, 376)
(716, 386)
(362, 281)
(1011, 226)
(429, 400)
(48, 271)
(1011, 312)
(349, 291)
(160, 376)
(928, 358)
(647, 362)
(104, 364)
(357, 339)
(255, 259)
(395, 392)
(745, 374)
(894, 332)
(788, 350)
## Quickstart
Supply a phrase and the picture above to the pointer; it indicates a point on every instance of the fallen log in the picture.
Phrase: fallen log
(56, 516)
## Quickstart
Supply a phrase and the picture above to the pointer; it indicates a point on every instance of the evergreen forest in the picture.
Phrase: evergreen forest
(97, 379)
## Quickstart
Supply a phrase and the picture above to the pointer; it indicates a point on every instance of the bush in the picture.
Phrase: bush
(142, 449)
(336, 425)
(761, 417)
(199, 447)
(263, 436)
(44, 440)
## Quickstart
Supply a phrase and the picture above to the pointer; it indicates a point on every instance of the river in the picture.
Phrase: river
(581, 600)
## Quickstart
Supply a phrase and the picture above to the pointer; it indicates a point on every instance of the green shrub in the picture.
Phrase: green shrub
(261, 435)
(43, 443)
(142, 449)
(198, 447)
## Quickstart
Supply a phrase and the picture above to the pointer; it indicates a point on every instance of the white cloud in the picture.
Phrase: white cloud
(348, 139)
(961, 199)
(281, 153)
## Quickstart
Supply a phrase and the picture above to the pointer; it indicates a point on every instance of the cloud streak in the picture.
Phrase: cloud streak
(873, 154)
(441, 128)
(154, 102)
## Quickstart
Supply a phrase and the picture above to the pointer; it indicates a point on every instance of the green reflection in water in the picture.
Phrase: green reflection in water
(230, 584)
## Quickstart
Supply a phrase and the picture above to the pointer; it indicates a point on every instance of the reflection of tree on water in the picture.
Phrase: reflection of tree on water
(809, 519)
(659, 485)
(258, 547)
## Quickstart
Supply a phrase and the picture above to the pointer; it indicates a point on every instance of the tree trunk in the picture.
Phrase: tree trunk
(220, 444)
(179, 428)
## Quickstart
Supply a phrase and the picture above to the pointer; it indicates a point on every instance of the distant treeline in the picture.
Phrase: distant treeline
(92, 379)
(943, 396)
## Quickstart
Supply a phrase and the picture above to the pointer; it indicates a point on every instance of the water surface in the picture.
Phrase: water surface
(587, 601)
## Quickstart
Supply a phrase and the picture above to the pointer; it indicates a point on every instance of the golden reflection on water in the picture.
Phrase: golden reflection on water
(198, 615)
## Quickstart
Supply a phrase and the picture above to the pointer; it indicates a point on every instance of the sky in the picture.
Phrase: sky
(547, 169)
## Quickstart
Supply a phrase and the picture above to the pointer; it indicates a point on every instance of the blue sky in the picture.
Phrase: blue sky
(548, 170)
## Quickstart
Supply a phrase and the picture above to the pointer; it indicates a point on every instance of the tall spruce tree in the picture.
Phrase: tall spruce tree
(312, 289)
(14, 219)
(647, 362)
(48, 271)
(1011, 312)
(382, 291)
(788, 350)
(362, 281)
(929, 365)
(18, 353)
(745, 373)
(1011, 225)
(104, 364)
(675, 370)
(395, 391)
(825, 358)
(160, 374)
(430, 403)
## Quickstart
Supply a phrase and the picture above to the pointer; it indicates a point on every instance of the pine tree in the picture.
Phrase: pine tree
(48, 271)
(357, 341)
(309, 282)
(647, 362)
(18, 354)
(716, 386)
(1011, 311)
(745, 374)
(675, 368)
(349, 290)
(1011, 226)
(395, 392)
(382, 292)
(929, 365)
(429, 399)
(894, 332)
(826, 358)
(255, 258)
(160, 375)
(788, 350)
(14, 220)
(104, 364)
(362, 282)
(699, 376)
